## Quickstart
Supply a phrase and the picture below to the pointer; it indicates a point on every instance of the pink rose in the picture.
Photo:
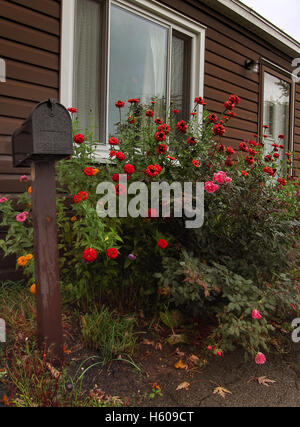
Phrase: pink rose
(260, 359)
(211, 187)
(256, 314)
(220, 177)
(21, 217)
(3, 199)
(23, 178)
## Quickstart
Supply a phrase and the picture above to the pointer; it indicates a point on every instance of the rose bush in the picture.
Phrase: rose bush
(219, 270)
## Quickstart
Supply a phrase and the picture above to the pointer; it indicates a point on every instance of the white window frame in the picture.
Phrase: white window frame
(150, 9)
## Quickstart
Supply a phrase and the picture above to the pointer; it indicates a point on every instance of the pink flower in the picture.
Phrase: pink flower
(209, 347)
(21, 217)
(211, 187)
(23, 178)
(256, 314)
(228, 179)
(220, 177)
(298, 194)
(3, 199)
(260, 359)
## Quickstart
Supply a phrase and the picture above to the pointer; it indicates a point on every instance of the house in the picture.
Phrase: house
(89, 53)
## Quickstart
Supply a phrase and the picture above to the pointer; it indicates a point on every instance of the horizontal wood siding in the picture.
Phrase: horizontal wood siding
(30, 46)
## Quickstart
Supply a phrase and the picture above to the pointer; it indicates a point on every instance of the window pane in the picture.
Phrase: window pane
(87, 64)
(138, 60)
(179, 77)
(276, 109)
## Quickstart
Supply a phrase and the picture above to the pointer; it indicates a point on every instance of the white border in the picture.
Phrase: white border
(67, 50)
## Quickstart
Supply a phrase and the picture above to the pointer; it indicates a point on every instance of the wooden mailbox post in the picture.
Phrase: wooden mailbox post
(44, 138)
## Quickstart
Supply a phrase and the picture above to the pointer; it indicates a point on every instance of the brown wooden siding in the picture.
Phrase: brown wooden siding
(30, 46)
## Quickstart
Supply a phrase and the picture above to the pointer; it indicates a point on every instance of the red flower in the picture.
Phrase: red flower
(200, 101)
(79, 138)
(112, 253)
(266, 126)
(244, 173)
(119, 104)
(149, 113)
(162, 243)
(88, 171)
(193, 113)
(158, 121)
(171, 158)
(72, 110)
(129, 169)
(282, 146)
(234, 99)
(164, 128)
(276, 155)
(83, 194)
(191, 140)
(221, 148)
(112, 153)
(229, 105)
(160, 136)
(131, 119)
(175, 111)
(152, 213)
(253, 143)
(115, 177)
(269, 171)
(120, 156)
(252, 152)
(153, 170)
(229, 161)
(119, 189)
(268, 158)
(230, 151)
(161, 149)
(133, 101)
(281, 136)
(76, 198)
(249, 160)
(113, 141)
(281, 181)
(219, 130)
(243, 146)
(213, 118)
(231, 114)
(196, 163)
(90, 254)
(182, 126)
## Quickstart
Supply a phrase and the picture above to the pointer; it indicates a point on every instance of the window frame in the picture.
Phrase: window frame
(282, 74)
(150, 9)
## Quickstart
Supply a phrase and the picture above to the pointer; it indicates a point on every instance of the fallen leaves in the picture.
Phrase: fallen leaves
(221, 391)
(180, 365)
(183, 386)
(54, 372)
(263, 381)
(101, 396)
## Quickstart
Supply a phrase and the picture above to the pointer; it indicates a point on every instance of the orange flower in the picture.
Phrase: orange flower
(33, 288)
(5, 400)
(29, 190)
(156, 386)
(22, 261)
(74, 218)
(95, 171)
(29, 257)
(66, 351)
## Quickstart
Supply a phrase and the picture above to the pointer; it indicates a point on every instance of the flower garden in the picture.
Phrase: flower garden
(237, 277)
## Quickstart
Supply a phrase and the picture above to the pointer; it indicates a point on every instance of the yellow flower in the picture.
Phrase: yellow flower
(22, 260)
(29, 190)
(29, 257)
(33, 288)
(106, 238)
(73, 219)
(95, 171)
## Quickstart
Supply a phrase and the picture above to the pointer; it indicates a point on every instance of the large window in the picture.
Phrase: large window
(132, 49)
(277, 110)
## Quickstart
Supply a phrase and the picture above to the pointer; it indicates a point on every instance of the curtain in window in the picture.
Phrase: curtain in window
(87, 64)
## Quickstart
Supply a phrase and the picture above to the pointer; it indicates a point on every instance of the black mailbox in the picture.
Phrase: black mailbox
(45, 135)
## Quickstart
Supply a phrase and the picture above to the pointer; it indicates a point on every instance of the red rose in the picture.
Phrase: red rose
(191, 140)
(230, 151)
(182, 126)
(243, 146)
(129, 169)
(112, 253)
(112, 153)
(76, 198)
(213, 118)
(120, 156)
(115, 177)
(161, 149)
(90, 254)
(79, 138)
(88, 171)
(162, 243)
(160, 136)
(119, 104)
(113, 141)
(219, 130)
